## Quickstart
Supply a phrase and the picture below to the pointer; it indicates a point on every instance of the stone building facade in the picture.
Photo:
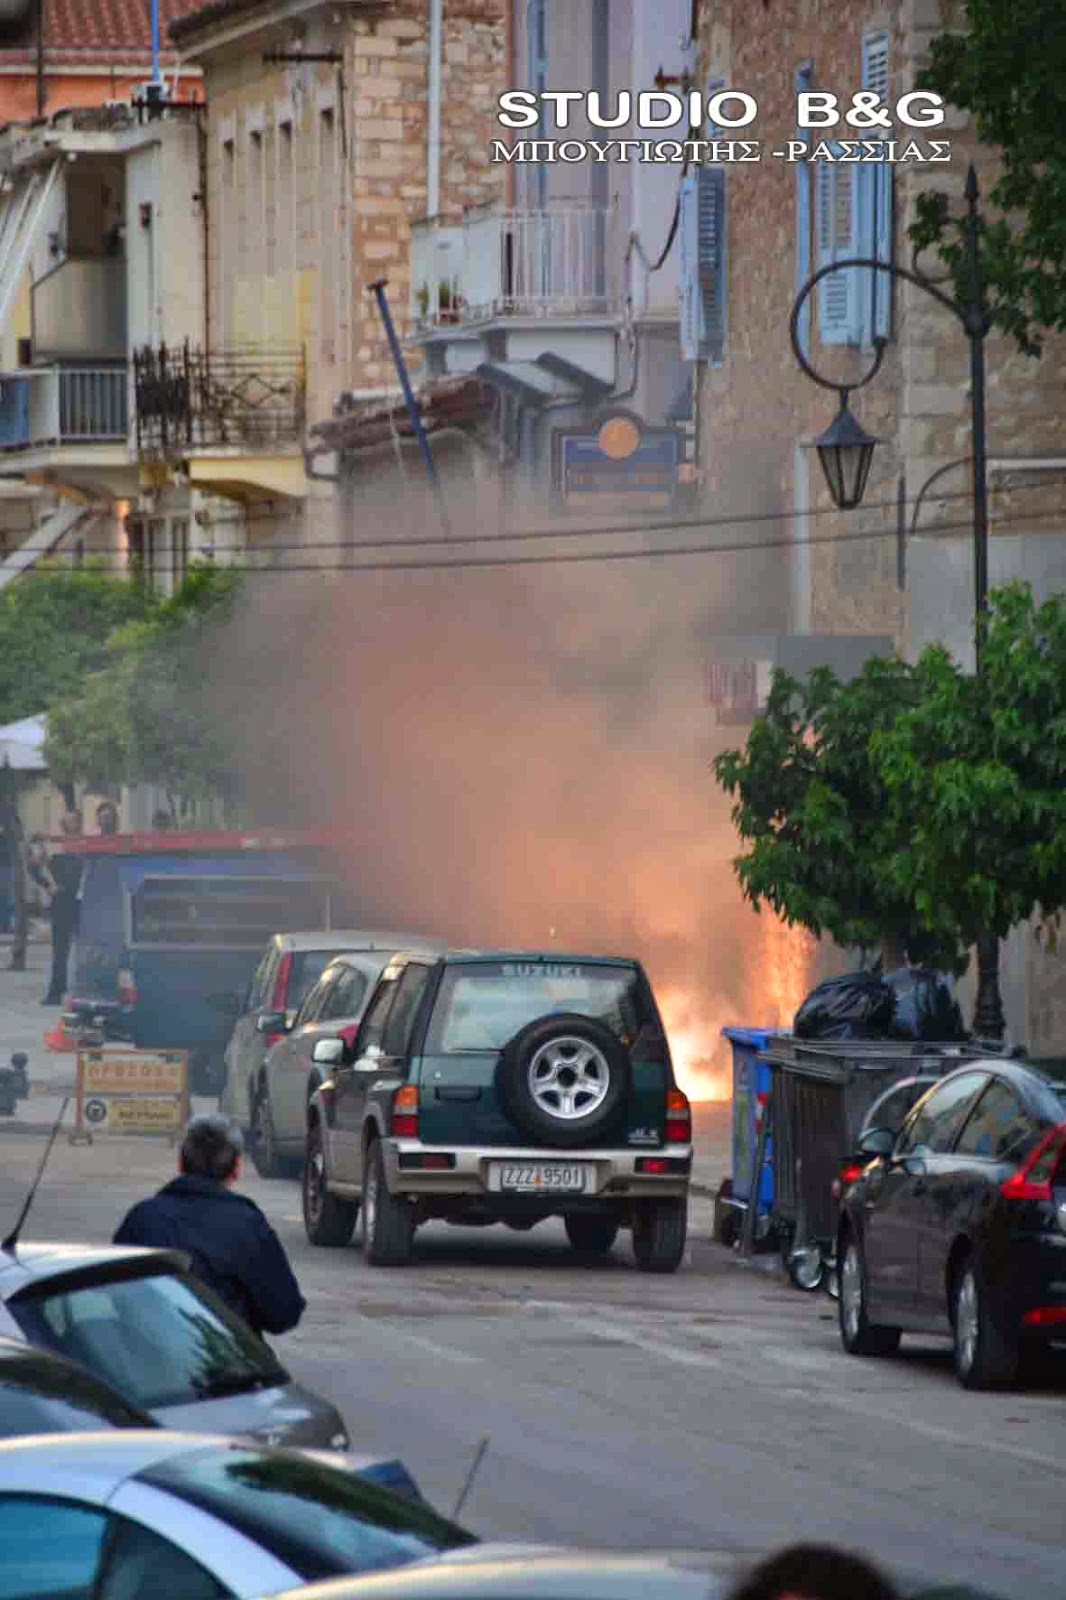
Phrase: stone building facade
(902, 563)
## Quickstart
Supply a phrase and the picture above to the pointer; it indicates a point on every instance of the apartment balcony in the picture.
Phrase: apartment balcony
(234, 418)
(563, 262)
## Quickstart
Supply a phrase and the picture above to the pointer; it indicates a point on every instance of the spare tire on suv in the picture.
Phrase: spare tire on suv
(564, 1079)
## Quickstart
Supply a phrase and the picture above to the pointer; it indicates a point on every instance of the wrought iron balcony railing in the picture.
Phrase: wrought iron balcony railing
(190, 399)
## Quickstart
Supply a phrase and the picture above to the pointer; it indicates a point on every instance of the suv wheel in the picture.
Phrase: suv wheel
(590, 1235)
(563, 1080)
(858, 1335)
(660, 1228)
(264, 1146)
(388, 1225)
(986, 1353)
(328, 1220)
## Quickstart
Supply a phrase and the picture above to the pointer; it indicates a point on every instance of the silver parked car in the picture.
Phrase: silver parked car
(142, 1323)
(290, 967)
(290, 1075)
(147, 1516)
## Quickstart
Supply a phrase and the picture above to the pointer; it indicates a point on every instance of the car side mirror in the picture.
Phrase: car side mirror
(272, 1022)
(328, 1052)
(877, 1142)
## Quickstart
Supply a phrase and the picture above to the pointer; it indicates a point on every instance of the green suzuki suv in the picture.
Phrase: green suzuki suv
(502, 1087)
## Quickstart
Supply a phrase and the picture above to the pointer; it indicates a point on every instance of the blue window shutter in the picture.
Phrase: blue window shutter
(537, 53)
(837, 203)
(688, 271)
(877, 182)
(710, 226)
(803, 77)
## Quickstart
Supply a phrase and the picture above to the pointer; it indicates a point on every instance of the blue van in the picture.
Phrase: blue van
(172, 926)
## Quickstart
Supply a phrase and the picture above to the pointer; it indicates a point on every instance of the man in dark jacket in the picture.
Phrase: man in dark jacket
(233, 1248)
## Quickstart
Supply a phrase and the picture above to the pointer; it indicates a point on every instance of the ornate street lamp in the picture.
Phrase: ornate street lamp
(846, 451)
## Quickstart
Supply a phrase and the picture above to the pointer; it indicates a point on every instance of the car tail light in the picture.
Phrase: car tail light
(1045, 1317)
(279, 998)
(1034, 1177)
(127, 989)
(405, 1113)
(849, 1171)
(678, 1118)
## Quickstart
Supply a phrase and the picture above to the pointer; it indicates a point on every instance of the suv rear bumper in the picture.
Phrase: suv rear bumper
(615, 1174)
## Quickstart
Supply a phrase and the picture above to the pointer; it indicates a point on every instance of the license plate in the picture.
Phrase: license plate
(543, 1177)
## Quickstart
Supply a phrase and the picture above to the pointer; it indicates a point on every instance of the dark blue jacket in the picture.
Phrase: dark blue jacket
(234, 1249)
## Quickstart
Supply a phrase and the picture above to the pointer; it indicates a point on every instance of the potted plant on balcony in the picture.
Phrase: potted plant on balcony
(422, 301)
(450, 301)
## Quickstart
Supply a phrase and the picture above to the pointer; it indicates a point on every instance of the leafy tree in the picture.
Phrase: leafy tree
(810, 806)
(974, 777)
(147, 715)
(1007, 67)
(54, 627)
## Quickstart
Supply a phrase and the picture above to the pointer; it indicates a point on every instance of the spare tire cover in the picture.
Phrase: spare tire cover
(563, 1080)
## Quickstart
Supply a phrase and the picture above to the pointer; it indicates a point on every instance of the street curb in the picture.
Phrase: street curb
(704, 1191)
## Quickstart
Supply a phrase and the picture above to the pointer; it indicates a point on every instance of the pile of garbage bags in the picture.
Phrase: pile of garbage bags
(910, 1003)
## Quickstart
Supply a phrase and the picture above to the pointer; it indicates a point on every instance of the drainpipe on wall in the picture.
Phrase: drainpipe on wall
(436, 18)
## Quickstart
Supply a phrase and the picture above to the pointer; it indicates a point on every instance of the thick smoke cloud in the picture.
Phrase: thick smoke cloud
(523, 757)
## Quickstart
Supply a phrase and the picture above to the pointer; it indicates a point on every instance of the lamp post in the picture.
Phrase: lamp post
(846, 453)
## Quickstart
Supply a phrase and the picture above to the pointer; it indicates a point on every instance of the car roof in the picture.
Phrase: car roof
(352, 940)
(563, 1575)
(93, 1465)
(464, 956)
(35, 1263)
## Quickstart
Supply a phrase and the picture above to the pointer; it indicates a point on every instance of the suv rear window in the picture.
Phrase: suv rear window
(481, 1005)
(201, 911)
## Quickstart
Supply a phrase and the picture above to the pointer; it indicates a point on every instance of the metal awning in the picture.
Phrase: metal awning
(23, 206)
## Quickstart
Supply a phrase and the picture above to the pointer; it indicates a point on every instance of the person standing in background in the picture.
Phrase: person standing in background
(107, 817)
(63, 876)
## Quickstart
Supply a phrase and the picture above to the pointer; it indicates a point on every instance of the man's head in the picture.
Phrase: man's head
(107, 816)
(161, 820)
(71, 822)
(212, 1148)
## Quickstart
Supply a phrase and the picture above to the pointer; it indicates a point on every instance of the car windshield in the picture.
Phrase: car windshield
(39, 1395)
(482, 1005)
(319, 1520)
(161, 1340)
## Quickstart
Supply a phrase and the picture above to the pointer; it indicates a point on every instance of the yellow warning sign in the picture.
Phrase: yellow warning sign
(131, 1091)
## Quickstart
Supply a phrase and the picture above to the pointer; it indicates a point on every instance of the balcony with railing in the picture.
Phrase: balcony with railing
(559, 262)
(52, 407)
(239, 400)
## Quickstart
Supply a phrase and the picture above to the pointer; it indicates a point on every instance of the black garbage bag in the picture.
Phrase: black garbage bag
(925, 1006)
(859, 1005)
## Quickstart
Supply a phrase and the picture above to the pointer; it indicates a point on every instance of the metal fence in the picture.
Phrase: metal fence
(187, 398)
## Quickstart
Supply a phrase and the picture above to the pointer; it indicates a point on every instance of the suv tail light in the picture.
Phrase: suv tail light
(126, 989)
(404, 1123)
(849, 1171)
(678, 1118)
(1034, 1177)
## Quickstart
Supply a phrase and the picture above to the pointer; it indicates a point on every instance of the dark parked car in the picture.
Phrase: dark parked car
(500, 1087)
(957, 1224)
(889, 1110)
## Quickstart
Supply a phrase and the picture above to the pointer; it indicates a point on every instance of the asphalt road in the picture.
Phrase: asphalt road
(709, 1409)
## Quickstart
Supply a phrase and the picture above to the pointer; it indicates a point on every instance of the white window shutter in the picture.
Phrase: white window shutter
(688, 271)
(710, 220)
(837, 199)
(875, 64)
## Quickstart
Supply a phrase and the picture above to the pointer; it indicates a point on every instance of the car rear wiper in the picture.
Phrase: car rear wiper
(247, 1383)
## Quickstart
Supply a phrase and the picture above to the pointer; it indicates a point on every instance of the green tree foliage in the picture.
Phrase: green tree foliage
(147, 715)
(975, 777)
(810, 805)
(54, 627)
(1007, 67)
(915, 804)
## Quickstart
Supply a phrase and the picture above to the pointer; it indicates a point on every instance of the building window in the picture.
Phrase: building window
(853, 217)
(285, 220)
(179, 551)
(328, 273)
(537, 71)
(703, 264)
(227, 232)
(254, 241)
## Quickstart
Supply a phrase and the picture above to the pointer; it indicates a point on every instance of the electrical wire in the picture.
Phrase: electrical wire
(580, 556)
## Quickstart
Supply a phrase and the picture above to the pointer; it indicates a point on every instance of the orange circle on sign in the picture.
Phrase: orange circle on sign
(618, 438)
